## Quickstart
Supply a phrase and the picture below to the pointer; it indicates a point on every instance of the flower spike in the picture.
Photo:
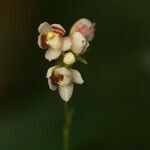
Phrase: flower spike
(67, 50)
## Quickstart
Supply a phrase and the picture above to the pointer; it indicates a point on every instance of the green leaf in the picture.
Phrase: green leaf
(82, 60)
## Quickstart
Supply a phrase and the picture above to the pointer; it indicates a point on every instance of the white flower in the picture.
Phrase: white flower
(49, 32)
(79, 43)
(64, 79)
(51, 38)
(84, 26)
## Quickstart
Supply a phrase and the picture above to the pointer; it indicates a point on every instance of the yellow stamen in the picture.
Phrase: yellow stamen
(50, 36)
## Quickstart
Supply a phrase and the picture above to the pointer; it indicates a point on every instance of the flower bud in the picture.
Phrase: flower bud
(78, 43)
(69, 58)
(85, 27)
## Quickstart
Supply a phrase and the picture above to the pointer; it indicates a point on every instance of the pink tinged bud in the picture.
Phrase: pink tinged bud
(84, 26)
(57, 28)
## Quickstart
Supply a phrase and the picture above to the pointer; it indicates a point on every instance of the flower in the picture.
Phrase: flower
(51, 38)
(79, 43)
(84, 26)
(49, 33)
(64, 79)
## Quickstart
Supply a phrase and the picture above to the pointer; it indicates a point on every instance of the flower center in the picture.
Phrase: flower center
(51, 35)
(56, 78)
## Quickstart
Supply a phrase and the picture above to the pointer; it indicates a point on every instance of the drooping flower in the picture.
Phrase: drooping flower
(64, 79)
(84, 26)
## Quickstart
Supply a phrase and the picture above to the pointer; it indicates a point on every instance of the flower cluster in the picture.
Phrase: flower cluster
(66, 50)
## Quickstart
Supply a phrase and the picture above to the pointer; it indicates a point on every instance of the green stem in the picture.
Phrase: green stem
(67, 124)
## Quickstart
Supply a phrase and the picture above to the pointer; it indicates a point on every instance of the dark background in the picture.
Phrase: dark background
(111, 108)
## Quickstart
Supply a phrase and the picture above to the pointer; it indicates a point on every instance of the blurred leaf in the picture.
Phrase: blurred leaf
(82, 60)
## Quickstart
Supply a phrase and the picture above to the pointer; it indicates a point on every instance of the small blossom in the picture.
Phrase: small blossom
(69, 58)
(50, 35)
(84, 26)
(51, 38)
(79, 43)
(64, 79)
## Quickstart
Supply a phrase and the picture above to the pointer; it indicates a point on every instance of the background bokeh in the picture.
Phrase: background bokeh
(111, 108)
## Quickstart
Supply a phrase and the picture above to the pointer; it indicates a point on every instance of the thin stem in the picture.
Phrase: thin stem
(67, 124)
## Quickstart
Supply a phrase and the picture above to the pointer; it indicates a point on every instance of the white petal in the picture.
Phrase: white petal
(39, 41)
(44, 28)
(42, 41)
(63, 71)
(76, 76)
(51, 85)
(66, 44)
(49, 71)
(57, 28)
(66, 91)
(55, 43)
(78, 43)
(52, 54)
